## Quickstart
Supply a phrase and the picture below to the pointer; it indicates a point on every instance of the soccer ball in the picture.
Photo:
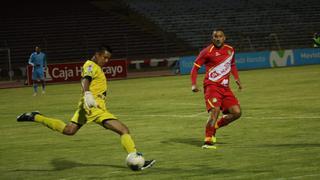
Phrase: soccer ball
(135, 161)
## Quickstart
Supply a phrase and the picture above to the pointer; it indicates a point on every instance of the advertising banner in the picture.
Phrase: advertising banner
(252, 60)
(281, 58)
(186, 64)
(243, 60)
(307, 56)
(72, 71)
(264, 59)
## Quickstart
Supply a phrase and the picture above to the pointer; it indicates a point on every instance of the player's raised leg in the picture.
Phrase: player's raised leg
(54, 124)
(233, 113)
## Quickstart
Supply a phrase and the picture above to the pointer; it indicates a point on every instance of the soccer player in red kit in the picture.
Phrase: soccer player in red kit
(218, 59)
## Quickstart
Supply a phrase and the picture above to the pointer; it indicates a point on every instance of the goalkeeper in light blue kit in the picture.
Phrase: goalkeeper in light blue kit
(38, 61)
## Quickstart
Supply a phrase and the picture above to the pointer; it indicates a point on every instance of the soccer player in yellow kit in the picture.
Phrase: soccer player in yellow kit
(91, 107)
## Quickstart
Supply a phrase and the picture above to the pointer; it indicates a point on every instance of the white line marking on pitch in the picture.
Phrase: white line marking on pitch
(299, 177)
(186, 104)
(159, 115)
(205, 113)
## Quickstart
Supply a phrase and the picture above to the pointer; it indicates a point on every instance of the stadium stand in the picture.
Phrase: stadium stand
(249, 24)
(70, 31)
(151, 29)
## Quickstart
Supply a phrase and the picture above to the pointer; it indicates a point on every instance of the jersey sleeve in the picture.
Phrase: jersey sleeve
(234, 69)
(200, 60)
(89, 70)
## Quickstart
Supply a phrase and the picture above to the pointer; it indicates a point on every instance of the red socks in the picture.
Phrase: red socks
(210, 130)
(222, 122)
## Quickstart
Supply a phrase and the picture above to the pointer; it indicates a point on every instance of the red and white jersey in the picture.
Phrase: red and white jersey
(218, 62)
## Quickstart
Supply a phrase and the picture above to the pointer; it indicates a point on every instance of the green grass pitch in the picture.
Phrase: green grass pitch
(277, 137)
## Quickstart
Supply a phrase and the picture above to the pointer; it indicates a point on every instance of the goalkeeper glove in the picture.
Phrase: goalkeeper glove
(89, 100)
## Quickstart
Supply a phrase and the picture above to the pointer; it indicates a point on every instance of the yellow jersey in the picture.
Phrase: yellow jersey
(98, 85)
(98, 88)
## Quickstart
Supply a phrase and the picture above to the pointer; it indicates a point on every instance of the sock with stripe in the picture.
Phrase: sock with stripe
(210, 131)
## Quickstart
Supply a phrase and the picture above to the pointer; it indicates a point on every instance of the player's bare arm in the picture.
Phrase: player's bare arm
(194, 74)
(85, 83)
(195, 88)
(239, 85)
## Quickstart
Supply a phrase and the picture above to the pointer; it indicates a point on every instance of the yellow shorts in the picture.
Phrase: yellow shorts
(84, 115)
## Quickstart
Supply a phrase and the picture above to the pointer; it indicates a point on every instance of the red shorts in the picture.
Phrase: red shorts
(222, 97)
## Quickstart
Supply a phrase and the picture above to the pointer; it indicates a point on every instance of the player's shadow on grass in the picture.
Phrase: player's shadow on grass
(63, 164)
(197, 171)
(189, 141)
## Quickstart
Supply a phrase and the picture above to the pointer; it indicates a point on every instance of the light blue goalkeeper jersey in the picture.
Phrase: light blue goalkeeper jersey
(38, 60)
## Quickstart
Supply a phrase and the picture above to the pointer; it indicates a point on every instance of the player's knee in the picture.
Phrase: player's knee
(69, 131)
(124, 130)
(116, 126)
(237, 114)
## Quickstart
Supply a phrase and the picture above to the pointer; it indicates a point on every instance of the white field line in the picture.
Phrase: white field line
(288, 178)
(206, 114)
(171, 104)
(279, 117)
(163, 115)
(299, 177)
(186, 104)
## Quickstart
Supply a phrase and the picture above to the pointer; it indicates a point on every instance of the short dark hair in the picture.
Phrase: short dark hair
(104, 48)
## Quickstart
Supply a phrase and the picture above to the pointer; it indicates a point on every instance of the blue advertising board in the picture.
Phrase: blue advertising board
(306, 56)
(186, 64)
(263, 59)
(252, 60)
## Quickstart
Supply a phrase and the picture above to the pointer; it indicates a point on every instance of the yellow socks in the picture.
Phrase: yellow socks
(58, 125)
(128, 143)
(54, 124)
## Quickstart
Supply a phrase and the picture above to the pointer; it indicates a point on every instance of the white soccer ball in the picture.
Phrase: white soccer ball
(135, 161)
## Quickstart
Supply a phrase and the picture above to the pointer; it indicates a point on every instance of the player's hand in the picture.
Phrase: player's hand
(239, 85)
(194, 88)
(89, 100)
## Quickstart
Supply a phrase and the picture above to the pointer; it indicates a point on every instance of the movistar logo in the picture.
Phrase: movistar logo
(281, 58)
